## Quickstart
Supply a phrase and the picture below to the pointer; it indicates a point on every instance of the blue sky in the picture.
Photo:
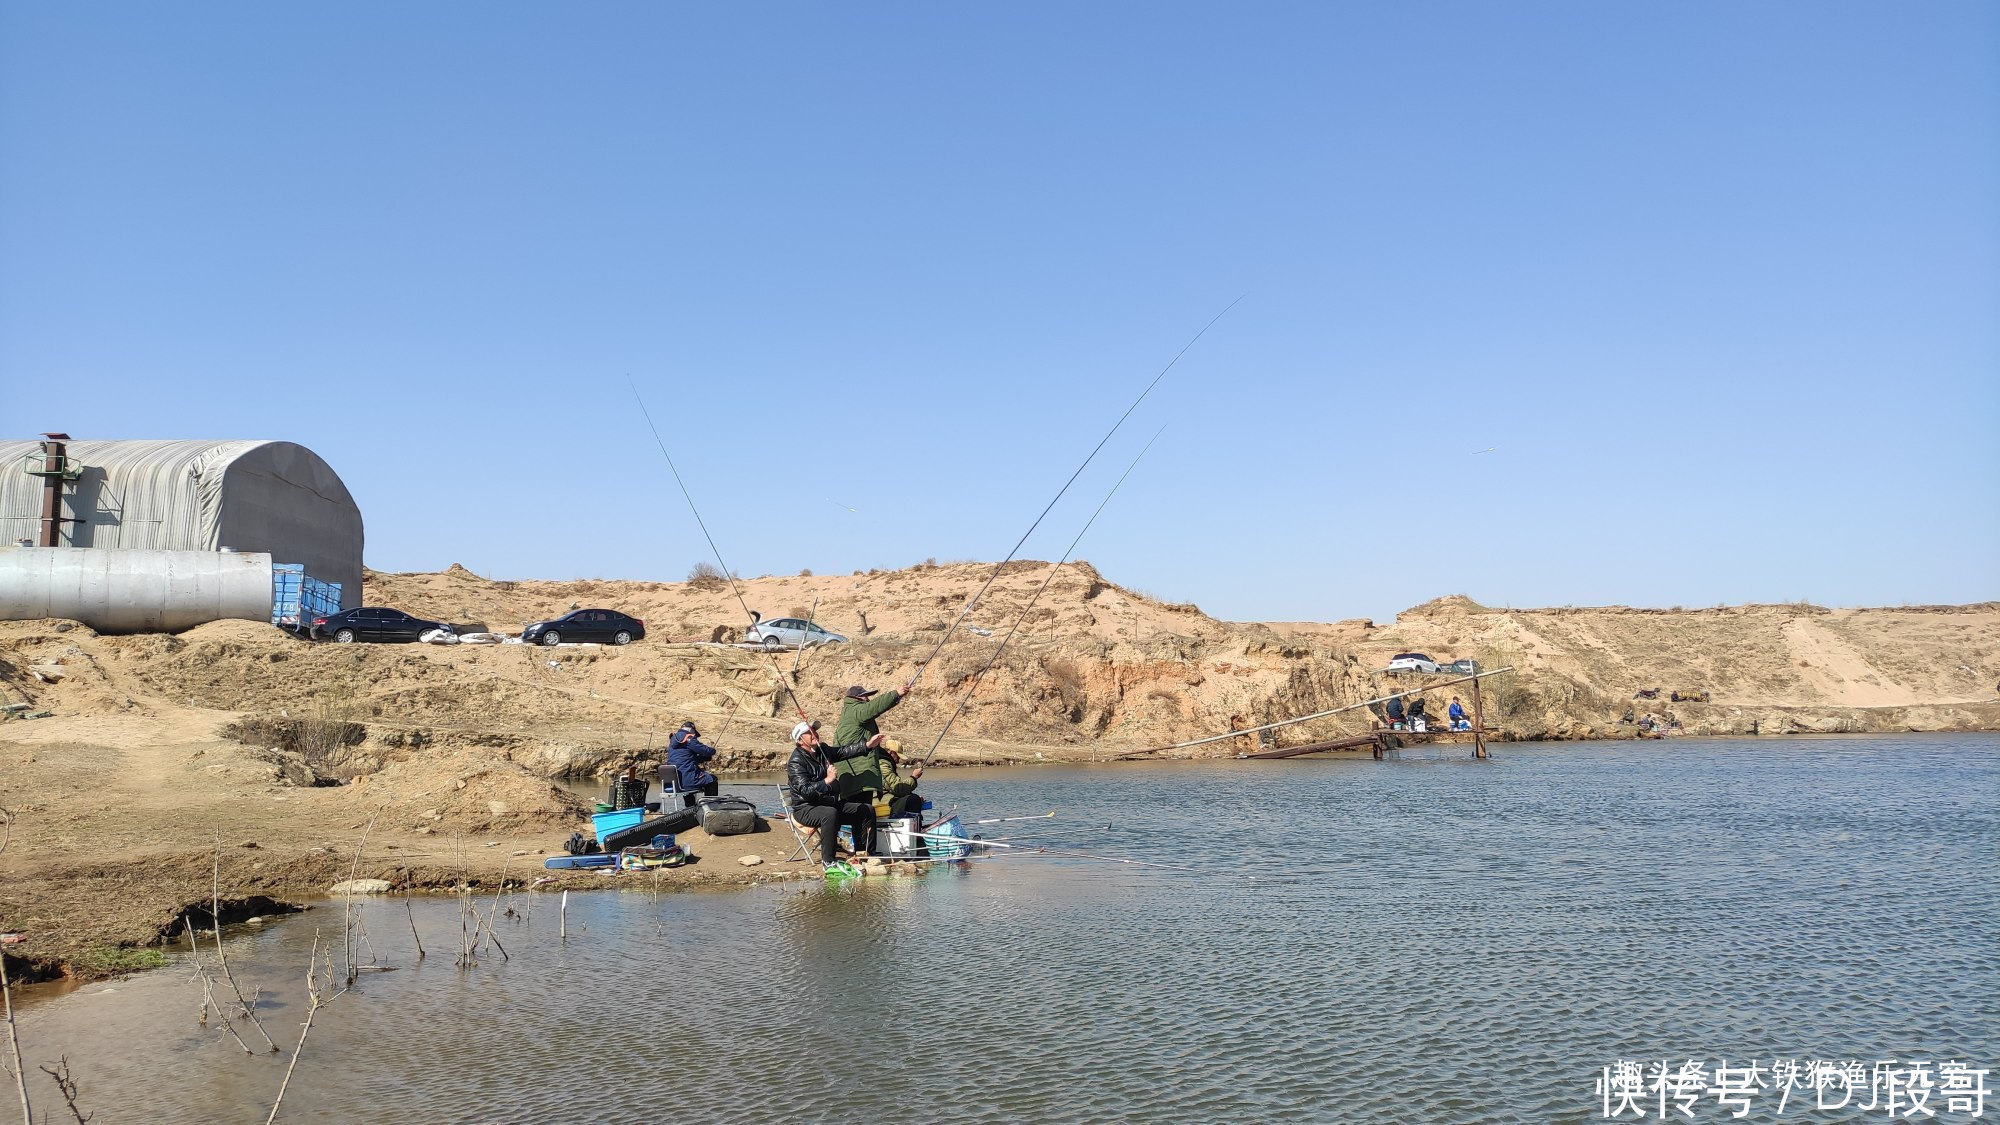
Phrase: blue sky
(1716, 284)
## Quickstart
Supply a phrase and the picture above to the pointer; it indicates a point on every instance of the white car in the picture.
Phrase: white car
(1412, 662)
(792, 632)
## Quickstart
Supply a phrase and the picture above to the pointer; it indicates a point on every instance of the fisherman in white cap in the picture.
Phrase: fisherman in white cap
(816, 800)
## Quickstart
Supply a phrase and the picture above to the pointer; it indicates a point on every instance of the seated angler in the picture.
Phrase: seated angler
(816, 800)
(873, 776)
(688, 754)
(1456, 713)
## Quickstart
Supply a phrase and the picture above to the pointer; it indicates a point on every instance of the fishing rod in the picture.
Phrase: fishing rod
(1319, 714)
(1031, 850)
(800, 652)
(1023, 615)
(735, 705)
(1002, 564)
(1050, 815)
(727, 575)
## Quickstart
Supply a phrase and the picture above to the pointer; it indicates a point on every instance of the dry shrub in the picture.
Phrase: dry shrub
(330, 728)
(1069, 684)
(703, 576)
(322, 737)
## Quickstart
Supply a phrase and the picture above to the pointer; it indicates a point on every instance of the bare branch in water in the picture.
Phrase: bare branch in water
(67, 1085)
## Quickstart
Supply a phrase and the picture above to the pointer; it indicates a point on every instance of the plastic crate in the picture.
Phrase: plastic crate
(610, 823)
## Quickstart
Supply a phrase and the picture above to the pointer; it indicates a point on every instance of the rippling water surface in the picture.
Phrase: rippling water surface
(1428, 939)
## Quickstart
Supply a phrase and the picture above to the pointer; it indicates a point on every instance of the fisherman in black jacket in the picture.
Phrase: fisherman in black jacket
(815, 799)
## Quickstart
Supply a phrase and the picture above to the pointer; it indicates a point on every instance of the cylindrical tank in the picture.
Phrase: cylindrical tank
(121, 591)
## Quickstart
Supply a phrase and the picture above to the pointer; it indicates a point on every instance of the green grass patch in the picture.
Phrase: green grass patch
(115, 960)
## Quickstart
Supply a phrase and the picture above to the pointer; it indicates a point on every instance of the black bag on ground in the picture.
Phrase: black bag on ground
(678, 821)
(726, 815)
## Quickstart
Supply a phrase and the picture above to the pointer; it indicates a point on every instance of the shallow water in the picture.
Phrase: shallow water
(1422, 939)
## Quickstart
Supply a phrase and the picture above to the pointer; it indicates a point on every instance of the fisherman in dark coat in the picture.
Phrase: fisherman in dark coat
(816, 800)
(688, 754)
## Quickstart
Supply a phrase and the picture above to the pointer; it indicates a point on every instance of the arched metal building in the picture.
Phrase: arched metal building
(272, 497)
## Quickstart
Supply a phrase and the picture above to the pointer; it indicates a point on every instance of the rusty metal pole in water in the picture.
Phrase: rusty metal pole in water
(1478, 724)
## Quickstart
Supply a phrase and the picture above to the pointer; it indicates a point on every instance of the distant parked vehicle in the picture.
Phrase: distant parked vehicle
(791, 631)
(372, 623)
(1412, 662)
(607, 626)
(1461, 667)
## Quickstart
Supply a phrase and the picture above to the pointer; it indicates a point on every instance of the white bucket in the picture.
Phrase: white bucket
(902, 837)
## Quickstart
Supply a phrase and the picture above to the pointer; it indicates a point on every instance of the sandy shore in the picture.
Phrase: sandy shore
(166, 765)
(124, 827)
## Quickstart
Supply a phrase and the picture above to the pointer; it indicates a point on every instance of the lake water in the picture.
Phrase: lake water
(1423, 939)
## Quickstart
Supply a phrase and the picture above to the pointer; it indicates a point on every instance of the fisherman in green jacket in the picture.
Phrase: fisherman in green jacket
(873, 774)
(858, 712)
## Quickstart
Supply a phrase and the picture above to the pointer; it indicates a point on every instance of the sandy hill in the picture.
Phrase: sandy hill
(1097, 669)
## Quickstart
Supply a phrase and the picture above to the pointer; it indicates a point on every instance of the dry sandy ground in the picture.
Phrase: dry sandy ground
(124, 824)
(157, 745)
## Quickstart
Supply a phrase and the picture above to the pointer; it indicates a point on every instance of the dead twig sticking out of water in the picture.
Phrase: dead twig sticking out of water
(347, 910)
(7, 994)
(208, 1000)
(658, 926)
(66, 1084)
(494, 911)
(317, 1000)
(467, 933)
(411, 911)
(222, 959)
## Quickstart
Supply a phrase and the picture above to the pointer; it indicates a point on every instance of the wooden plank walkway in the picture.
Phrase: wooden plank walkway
(1379, 741)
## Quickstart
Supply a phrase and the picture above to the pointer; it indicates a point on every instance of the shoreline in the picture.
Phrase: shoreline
(91, 913)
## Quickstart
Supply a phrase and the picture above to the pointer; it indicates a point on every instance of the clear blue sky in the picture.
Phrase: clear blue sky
(1717, 283)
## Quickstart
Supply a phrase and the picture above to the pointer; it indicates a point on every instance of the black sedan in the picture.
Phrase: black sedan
(606, 625)
(370, 623)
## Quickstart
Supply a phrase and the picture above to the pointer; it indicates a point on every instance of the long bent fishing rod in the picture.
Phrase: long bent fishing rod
(1002, 564)
(727, 576)
(799, 653)
(1319, 714)
(1023, 615)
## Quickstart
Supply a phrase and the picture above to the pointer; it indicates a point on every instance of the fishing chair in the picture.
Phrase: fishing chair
(806, 834)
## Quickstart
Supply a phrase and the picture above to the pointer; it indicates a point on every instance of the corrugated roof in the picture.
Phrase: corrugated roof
(137, 494)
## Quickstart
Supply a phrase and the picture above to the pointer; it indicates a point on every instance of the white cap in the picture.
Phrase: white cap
(799, 731)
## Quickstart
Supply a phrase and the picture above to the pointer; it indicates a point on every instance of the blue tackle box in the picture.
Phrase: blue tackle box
(609, 823)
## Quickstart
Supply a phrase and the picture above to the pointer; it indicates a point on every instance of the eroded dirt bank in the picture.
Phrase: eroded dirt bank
(155, 744)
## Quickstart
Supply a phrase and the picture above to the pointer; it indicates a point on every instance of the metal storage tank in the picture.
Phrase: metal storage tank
(121, 591)
(270, 497)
